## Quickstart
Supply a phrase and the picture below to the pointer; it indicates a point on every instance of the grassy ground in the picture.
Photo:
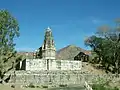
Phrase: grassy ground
(34, 89)
(7, 87)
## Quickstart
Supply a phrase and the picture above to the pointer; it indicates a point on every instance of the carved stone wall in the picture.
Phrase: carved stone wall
(35, 64)
(42, 64)
(57, 77)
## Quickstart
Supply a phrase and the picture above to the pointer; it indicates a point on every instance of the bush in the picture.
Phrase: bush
(44, 86)
(12, 86)
(62, 85)
(98, 87)
(31, 85)
(102, 87)
(116, 88)
(37, 86)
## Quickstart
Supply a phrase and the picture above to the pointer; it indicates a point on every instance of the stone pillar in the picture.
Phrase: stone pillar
(20, 65)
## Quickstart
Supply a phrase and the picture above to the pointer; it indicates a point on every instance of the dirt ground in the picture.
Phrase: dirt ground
(7, 87)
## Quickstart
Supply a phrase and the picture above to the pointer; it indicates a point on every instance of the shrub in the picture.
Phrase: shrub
(63, 85)
(98, 87)
(102, 87)
(37, 86)
(31, 85)
(12, 86)
(44, 86)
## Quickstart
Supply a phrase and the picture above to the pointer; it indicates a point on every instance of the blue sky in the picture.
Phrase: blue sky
(71, 21)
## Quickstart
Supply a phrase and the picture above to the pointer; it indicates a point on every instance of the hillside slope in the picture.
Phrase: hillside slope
(89, 68)
(69, 52)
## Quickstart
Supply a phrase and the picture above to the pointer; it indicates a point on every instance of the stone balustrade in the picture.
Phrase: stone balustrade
(87, 86)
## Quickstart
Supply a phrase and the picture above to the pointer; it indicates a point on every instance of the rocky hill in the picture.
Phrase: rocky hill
(69, 52)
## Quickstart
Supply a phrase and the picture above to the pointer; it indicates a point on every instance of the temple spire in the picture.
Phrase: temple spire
(48, 48)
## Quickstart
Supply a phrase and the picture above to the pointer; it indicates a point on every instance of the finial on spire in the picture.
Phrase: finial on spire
(48, 29)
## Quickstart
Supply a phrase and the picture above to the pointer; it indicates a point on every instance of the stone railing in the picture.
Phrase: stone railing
(87, 86)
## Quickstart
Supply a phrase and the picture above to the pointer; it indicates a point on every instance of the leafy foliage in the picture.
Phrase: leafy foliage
(105, 45)
(101, 87)
(9, 29)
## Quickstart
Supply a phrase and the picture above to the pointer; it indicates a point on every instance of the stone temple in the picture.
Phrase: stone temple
(44, 58)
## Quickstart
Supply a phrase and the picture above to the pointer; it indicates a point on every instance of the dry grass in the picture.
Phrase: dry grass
(88, 67)
(7, 87)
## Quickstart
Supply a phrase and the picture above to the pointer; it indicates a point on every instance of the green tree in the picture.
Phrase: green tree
(106, 44)
(9, 29)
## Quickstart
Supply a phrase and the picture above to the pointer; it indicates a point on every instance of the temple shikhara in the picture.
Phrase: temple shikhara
(48, 47)
(44, 58)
